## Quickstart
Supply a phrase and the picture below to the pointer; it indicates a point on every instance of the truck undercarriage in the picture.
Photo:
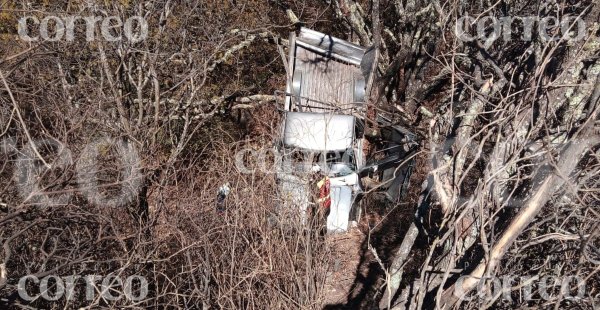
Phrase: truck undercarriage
(327, 157)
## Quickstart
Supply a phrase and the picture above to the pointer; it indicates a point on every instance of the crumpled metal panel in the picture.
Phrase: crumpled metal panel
(330, 46)
(339, 213)
(294, 194)
(318, 131)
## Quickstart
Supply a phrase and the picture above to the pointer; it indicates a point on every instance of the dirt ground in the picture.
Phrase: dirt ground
(346, 251)
(355, 276)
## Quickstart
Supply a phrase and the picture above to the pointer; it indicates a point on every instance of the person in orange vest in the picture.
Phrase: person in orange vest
(324, 200)
(323, 203)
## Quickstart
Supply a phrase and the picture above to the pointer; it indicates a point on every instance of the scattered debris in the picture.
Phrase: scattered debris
(222, 193)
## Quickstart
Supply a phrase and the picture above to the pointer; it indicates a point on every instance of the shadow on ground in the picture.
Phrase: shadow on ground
(386, 234)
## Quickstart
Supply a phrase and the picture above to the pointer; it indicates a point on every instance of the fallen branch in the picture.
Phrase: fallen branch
(18, 111)
(250, 38)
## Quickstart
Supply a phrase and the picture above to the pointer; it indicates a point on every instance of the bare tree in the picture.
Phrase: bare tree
(508, 164)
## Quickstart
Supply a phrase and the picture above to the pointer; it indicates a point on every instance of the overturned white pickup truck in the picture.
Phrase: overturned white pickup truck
(322, 131)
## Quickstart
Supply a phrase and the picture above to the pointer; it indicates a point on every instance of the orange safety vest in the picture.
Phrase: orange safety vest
(324, 190)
